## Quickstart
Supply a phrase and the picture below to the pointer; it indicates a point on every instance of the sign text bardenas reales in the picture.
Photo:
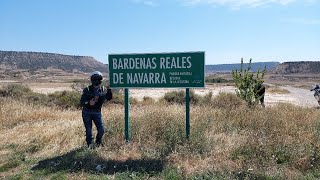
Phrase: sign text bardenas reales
(150, 63)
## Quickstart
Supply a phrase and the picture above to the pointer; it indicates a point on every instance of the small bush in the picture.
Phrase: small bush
(227, 101)
(180, 97)
(23, 92)
(118, 98)
(66, 99)
(147, 100)
(15, 90)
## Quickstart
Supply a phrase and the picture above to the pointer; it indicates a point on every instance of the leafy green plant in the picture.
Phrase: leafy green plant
(248, 83)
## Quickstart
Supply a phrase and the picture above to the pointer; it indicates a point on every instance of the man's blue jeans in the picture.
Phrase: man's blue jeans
(88, 117)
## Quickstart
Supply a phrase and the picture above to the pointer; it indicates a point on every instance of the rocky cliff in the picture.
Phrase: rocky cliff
(13, 60)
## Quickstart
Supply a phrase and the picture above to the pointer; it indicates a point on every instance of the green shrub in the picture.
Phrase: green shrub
(147, 100)
(179, 97)
(15, 90)
(227, 101)
(247, 85)
(23, 92)
(118, 98)
(65, 99)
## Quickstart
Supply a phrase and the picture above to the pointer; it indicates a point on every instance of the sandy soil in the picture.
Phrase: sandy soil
(47, 88)
(297, 96)
(159, 92)
(302, 97)
(44, 88)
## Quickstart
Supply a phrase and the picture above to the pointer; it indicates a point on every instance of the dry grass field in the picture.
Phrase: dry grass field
(228, 139)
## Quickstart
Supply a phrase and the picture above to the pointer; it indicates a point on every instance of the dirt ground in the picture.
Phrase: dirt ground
(297, 96)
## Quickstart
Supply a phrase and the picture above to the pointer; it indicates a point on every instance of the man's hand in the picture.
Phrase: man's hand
(92, 102)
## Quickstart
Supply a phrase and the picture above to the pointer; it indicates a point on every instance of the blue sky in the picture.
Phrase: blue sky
(271, 30)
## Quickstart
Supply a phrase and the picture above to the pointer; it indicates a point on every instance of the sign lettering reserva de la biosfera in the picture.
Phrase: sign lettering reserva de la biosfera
(165, 70)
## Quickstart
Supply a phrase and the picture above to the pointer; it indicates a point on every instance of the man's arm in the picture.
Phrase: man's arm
(109, 94)
(83, 101)
(100, 101)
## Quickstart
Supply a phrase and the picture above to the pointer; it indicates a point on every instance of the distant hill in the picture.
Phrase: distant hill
(230, 67)
(303, 67)
(14, 60)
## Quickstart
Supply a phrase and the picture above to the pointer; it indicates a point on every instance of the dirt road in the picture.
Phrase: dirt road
(297, 96)
(302, 97)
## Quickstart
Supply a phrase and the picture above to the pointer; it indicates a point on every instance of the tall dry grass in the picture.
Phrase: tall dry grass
(227, 140)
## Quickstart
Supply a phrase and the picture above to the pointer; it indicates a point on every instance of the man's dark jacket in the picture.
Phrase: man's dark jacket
(88, 94)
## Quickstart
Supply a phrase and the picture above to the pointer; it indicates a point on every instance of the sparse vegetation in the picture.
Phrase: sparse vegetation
(227, 101)
(65, 99)
(179, 97)
(228, 141)
(62, 99)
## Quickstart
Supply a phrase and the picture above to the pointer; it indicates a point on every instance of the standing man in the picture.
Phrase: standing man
(92, 100)
(316, 94)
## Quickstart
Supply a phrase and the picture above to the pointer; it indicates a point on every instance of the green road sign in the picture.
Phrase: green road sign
(157, 70)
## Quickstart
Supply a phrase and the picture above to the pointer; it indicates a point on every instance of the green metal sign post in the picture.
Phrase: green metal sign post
(157, 70)
(126, 114)
(188, 113)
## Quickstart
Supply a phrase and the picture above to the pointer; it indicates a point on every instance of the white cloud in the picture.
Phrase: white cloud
(236, 4)
(303, 21)
(151, 3)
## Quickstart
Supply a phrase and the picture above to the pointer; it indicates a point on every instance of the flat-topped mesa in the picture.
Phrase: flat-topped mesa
(42, 60)
(302, 67)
